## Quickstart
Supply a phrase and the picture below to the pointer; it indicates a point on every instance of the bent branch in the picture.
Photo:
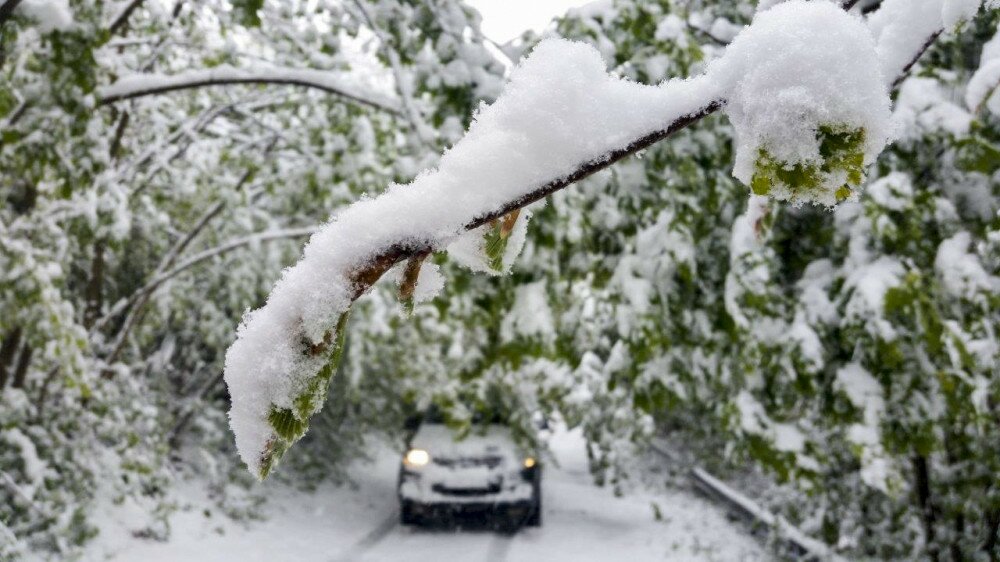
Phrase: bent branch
(140, 85)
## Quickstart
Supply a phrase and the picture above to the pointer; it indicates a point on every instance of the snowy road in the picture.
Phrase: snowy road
(581, 522)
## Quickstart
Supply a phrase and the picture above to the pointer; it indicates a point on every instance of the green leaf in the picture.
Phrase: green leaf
(290, 425)
(842, 152)
(495, 246)
(247, 12)
(977, 155)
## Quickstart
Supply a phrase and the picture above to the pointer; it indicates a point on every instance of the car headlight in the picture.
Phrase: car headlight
(417, 457)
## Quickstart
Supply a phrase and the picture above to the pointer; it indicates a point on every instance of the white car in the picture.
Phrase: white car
(486, 472)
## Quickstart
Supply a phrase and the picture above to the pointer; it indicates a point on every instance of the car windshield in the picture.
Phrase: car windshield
(436, 415)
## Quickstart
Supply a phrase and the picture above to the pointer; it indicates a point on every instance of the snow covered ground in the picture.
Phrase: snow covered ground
(581, 522)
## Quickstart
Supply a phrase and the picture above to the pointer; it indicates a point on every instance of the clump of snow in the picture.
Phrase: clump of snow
(51, 15)
(753, 418)
(981, 89)
(724, 30)
(801, 66)
(429, 282)
(35, 468)
(960, 271)
(788, 438)
(469, 248)
(808, 343)
(865, 393)
(869, 283)
(670, 28)
(894, 191)
(902, 27)
(530, 315)
(923, 106)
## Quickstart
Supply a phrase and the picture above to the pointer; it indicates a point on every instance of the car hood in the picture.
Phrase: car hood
(439, 441)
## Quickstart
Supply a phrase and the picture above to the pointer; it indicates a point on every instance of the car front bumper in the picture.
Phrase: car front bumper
(425, 493)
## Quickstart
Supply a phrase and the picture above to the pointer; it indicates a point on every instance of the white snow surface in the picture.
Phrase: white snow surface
(580, 523)
(51, 15)
(960, 270)
(530, 315)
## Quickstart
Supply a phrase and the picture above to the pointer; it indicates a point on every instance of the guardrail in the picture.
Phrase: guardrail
(798, 544)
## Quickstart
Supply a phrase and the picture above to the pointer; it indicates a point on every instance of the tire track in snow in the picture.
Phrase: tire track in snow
(499, 547)
(375, 536)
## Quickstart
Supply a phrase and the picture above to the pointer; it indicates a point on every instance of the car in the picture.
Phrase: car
(442, 476)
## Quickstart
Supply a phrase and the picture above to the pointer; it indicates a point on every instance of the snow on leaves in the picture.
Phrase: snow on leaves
(802, 86)
(807, 102)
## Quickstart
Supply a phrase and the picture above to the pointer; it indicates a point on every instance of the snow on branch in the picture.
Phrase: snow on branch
(802, 85)
(337, 83)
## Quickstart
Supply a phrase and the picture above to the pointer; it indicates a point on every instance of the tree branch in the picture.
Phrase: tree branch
(7, 10)
(916, 57)
(140, 85)
(123, 16)
(420, 127)
(367, 274)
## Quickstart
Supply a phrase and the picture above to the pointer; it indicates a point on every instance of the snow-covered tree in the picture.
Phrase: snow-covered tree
(162, 162)
(807, 119)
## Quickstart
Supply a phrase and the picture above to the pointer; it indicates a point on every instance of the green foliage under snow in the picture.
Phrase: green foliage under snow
(852, 354)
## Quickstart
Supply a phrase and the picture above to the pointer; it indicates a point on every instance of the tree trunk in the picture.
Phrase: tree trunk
(992, 529)
(93, 293)
(11, 341)
(23, 361)
(928, 514)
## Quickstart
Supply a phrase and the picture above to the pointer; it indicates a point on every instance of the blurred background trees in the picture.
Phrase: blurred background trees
(852, 355)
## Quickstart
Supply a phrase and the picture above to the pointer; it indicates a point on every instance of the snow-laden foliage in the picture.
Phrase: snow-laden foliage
(808, 105)
(133, 234)
(852, 353)
(811, 113)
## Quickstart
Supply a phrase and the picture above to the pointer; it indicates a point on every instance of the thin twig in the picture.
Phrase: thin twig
(231, 80)
(170, 258)
(123, 16)
(923, 49)
(405, 94)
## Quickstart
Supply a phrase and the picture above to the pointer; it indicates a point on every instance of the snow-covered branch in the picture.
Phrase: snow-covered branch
(805, 87)
(339, 84)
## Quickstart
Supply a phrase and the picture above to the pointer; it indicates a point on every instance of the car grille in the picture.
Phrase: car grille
(469, 462)
(445, 490)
